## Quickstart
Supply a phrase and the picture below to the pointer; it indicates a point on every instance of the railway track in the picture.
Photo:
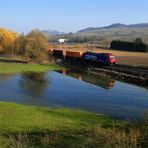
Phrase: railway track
(133, 68)
(125, 73)
(136, 71)
(129, 70)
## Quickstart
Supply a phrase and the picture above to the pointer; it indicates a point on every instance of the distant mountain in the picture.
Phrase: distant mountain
(117, 25)
(52, 32)
(103, 36)
(89, 29)
(114, 26)
(142, 25)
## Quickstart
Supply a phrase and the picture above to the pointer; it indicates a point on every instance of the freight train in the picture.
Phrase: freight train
(88, 57)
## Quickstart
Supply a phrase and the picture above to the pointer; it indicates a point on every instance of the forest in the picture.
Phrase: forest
(137, 45)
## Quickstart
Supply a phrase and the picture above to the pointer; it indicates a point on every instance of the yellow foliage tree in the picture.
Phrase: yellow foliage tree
(7, 40)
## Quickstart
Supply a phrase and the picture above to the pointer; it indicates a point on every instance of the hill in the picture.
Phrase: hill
(115, 26)
(52, 32)
(102, 36)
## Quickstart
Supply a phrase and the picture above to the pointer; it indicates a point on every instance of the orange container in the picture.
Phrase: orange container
(74, 54)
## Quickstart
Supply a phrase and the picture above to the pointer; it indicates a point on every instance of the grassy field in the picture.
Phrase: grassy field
(9, 66)
(30, 126)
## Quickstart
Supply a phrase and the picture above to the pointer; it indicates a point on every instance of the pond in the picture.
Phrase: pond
(76, 90)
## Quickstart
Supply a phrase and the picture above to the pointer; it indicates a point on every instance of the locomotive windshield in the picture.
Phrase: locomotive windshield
(112, 57)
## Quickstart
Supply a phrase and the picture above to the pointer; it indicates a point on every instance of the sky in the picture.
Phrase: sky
(69, 15)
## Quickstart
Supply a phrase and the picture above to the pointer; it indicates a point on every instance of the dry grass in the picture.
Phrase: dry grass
(96, 137)
(128, 58)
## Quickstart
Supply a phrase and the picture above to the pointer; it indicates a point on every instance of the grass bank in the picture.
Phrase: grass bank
(8, 65)
(6, 68)
(31, 126)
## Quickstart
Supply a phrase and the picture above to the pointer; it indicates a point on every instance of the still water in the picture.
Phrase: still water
(76, 90)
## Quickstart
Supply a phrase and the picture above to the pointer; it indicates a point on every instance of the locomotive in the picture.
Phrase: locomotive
(98, 58)
(102, 58)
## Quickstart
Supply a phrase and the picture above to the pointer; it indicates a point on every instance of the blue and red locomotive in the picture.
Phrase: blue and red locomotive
(103, 58)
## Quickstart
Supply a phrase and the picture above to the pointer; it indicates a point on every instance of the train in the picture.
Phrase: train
(88, 57)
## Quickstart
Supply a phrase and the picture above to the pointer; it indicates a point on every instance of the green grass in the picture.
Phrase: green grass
(51, 126)
(16, 118)
(6, 68)
(23, 126)
(14, 65)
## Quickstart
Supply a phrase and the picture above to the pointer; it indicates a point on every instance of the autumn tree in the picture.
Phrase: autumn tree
(34, 47)
(7, 41)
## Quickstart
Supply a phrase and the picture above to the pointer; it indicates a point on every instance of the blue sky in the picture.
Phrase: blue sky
(70, 15)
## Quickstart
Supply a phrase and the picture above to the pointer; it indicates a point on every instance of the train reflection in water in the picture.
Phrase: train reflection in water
(97, 80)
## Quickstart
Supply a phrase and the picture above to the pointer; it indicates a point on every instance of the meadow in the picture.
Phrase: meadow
(32, 126)
(8, 66)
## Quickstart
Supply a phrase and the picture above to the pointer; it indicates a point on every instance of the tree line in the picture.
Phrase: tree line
(137, 45)
(32, 47)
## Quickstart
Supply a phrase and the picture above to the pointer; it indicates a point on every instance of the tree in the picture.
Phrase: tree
(7, 40)
(34, 47)
(138, 41)
(137, 45)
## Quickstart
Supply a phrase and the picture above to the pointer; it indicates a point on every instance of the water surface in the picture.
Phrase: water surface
(76, 90)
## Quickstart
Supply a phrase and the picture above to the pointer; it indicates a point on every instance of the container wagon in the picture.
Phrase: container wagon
(74, 54)
(58, 53)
